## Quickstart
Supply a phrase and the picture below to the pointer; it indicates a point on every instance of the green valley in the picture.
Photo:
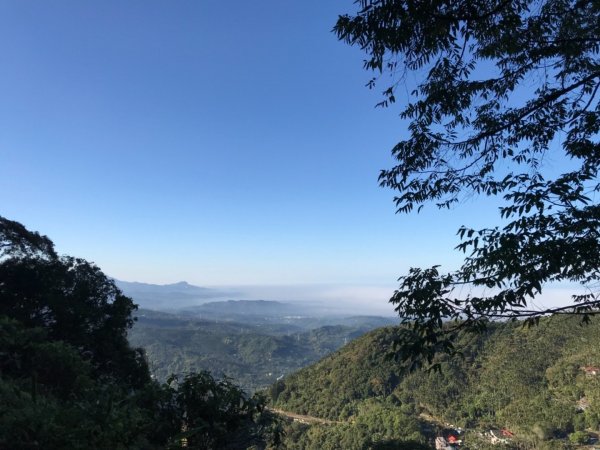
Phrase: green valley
(254, 353)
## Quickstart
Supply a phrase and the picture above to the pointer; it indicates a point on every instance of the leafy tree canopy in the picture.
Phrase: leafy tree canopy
(16, 241)
(70, 298)
(505, 85)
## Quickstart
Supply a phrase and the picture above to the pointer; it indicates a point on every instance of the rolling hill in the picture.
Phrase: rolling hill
(542, 384)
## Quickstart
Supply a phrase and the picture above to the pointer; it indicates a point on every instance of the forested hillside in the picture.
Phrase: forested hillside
(253, 353)
(541, 383)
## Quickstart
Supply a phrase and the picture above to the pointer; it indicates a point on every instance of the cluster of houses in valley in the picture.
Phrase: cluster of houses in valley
(450, 439)
(502, 436)
(590, 371)
(450, 443)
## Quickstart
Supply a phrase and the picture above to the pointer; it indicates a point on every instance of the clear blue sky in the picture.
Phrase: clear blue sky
(223, 143)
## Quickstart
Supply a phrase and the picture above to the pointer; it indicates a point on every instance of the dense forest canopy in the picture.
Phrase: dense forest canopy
(506, 85)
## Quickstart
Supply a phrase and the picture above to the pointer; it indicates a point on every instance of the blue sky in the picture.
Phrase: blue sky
(224, 143)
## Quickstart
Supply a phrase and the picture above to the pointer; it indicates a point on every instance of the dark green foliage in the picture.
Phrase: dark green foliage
(52, 397)
(345, 436)
(28, 355)
(579, 437)
(75, 303)
(18, 241)
(218, 414)
(506, 85)
(399, 445)
(71, 300)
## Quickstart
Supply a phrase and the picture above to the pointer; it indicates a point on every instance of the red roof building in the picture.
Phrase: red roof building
(591, 370)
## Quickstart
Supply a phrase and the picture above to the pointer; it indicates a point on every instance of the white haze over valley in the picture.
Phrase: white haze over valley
(324, 299)
(338, 299)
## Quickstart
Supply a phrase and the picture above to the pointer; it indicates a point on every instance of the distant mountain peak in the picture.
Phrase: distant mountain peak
(169, 296)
